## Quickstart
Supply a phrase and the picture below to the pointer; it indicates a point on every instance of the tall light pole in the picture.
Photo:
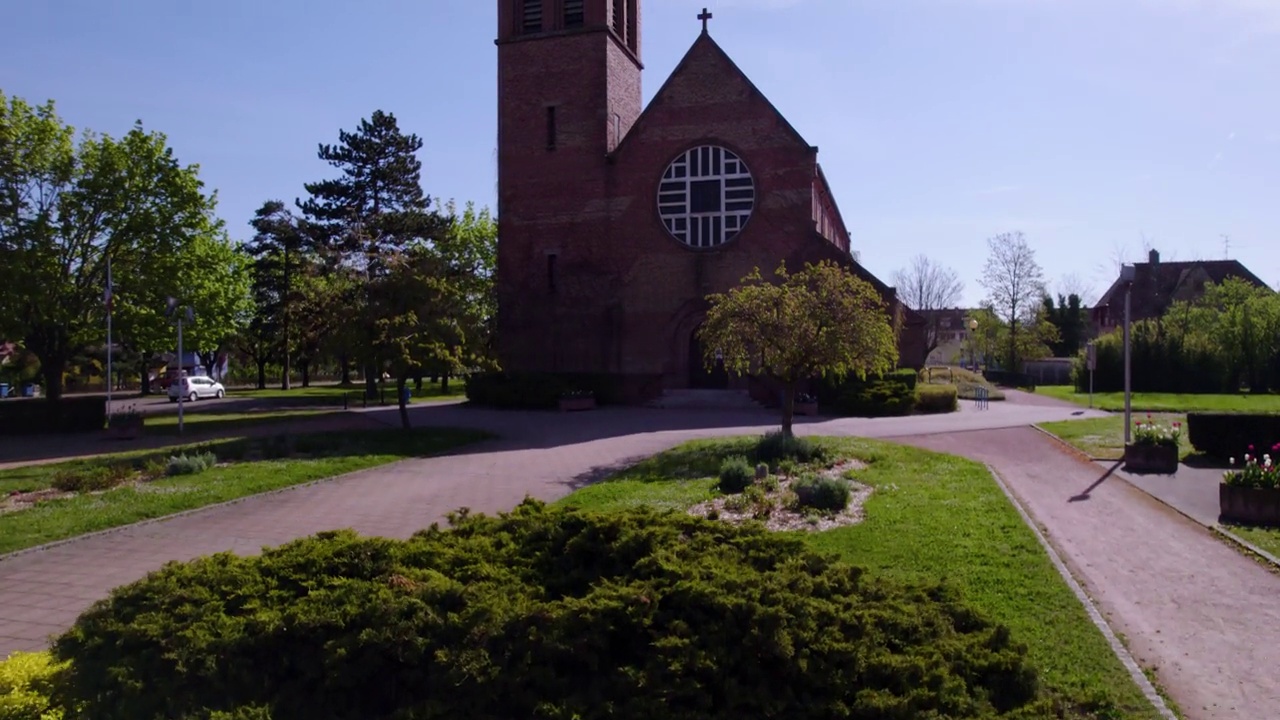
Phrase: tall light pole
(178, 314)
(1126, 276)
(973, 350)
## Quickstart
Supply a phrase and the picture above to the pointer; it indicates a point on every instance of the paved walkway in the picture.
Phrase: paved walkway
(1191, 490)
(1202, 614)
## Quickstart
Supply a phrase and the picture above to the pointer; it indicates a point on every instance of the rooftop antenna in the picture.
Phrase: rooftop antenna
(1226, 247)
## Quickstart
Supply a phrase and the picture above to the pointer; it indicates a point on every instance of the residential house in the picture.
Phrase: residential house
(1157, 285)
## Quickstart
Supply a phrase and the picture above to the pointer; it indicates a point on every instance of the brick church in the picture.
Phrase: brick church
(617, 220)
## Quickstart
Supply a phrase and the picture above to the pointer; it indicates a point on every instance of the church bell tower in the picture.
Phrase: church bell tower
(568, 92)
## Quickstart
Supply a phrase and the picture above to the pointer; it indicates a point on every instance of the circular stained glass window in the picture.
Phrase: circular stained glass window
(706, 197)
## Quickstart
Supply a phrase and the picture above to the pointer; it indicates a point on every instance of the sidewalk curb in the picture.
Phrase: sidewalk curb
(1095, 615)
(1246, 546)
(1215, 529)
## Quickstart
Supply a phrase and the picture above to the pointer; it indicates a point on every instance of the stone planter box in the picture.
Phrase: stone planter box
(576, 404)
(1151, 458)
(1249, 506)
(806, 408)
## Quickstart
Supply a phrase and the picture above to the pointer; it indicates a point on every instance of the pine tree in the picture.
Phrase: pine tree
(375, 209)
(280, 255)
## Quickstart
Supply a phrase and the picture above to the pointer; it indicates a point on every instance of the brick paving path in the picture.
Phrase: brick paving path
(1193, 608)
(1202, 614)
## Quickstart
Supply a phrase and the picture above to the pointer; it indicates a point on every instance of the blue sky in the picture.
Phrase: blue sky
(1093, 126)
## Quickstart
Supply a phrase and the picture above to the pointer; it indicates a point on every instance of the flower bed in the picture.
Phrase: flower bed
(1251, 495)
(1154, 448)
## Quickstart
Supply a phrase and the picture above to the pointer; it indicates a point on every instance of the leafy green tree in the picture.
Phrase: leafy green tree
(425, 317)
(375, 209)
(1014, 281)
(1240, 322)
(1070, 319)
(1033, 340)
(470, 248)
(280, 256)
(822, 320)
(66, 208)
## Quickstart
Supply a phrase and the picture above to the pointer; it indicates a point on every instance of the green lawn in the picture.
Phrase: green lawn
(333, 393)
(1103, 438)
(212, 420)
(932, 517)
(332, 454)
(1166, 402)
(1265, 538)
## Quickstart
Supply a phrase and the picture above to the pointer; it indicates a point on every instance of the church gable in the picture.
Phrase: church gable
(708, 90)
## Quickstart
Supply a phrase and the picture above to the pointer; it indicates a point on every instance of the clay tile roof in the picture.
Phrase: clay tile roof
(1158, 285)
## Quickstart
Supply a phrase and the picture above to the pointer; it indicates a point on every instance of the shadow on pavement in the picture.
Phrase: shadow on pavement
(1085, 495)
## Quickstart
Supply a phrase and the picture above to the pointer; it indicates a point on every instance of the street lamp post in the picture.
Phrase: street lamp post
(178, 314)
(973, 351)
(1126, 276)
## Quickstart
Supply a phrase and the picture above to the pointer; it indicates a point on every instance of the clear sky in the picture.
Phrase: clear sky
(1094, 126)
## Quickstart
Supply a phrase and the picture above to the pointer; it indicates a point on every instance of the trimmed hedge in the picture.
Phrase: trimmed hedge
(891, 394)
(932, 399)
(543, 612)
(1009, 379)
(1228, 435)
(542, 391)
(52, 417)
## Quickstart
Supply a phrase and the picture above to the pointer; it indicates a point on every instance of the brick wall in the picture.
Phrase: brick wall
(624, 296)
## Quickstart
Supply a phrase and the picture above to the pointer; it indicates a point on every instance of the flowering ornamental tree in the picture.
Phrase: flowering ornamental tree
(821, 320)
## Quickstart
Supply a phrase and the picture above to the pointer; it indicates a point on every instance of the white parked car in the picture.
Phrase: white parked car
(194, 388)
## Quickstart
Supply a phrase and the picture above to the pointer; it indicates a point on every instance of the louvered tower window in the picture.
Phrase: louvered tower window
(573, 14)
(531, 16)
(620, 17)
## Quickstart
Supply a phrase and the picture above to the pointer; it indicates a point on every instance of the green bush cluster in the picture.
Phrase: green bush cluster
(1229, 435)
(543, 612)
(64, 416)
(887, 395)
(776, 447)
(736, 475)
(821, 493)
(936, 399)
(26, 684)
(190, 464)
(92, 478)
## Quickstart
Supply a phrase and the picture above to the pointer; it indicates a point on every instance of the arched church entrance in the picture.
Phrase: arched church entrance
(700, 376)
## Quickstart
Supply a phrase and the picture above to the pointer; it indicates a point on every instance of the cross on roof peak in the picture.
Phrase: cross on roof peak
(704, 17)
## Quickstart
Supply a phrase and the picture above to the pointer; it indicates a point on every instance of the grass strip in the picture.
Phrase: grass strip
(1167, 402)
(330, 454)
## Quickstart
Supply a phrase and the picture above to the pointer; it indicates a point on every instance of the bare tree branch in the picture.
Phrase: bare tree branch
(1014, 283)
(1072, 284)
(926, 286)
